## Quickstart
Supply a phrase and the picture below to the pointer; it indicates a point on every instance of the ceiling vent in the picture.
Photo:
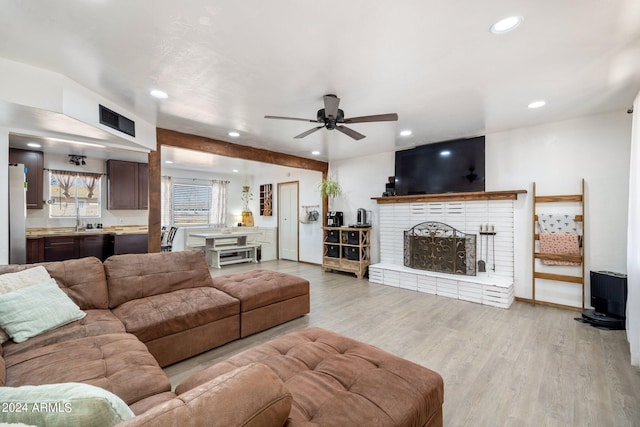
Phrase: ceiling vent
(117, 121)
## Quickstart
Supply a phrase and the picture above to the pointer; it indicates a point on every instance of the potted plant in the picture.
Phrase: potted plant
(246, 197)
(330, 188)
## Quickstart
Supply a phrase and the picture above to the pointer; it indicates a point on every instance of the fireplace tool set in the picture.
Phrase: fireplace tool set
(485, 235)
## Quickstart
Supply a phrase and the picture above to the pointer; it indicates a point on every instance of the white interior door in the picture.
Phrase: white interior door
(288, 221)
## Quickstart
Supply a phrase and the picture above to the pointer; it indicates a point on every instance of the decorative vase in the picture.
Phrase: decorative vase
(247, 219)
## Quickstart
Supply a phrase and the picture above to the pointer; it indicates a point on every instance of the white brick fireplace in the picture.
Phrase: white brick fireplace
(494, 287)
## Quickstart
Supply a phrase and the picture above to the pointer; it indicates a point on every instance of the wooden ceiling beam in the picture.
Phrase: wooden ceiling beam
(228, 149)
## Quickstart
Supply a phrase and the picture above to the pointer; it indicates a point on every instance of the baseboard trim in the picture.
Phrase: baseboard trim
(549, 304)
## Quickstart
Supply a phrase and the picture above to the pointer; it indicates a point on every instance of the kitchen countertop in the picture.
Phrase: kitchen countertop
(33, 233)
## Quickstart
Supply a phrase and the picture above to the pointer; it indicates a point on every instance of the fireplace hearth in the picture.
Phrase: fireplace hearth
(435, 246)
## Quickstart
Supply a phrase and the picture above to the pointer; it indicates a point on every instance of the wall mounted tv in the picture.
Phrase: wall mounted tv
(445, 167)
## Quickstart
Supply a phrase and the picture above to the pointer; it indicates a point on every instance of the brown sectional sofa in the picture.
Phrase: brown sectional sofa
(147, 311)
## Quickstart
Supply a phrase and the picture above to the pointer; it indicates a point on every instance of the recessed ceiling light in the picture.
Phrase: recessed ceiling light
(315, 152)
(445, 153)
(168, 162)
(159, 94)
(33, 145)
(235, 171)
(506, 24)
(537, 104)
(405, 133)
(234, 134)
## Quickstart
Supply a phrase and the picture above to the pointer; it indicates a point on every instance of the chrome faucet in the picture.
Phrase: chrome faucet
(77, 218)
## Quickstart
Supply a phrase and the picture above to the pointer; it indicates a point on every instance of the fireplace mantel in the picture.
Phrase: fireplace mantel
(447, 197)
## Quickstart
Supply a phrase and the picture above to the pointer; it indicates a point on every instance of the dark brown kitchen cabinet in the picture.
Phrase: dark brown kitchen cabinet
(59, 248)
(97, 245)
(35, 250)
(34, 162)
(127, 184)
(130, 244)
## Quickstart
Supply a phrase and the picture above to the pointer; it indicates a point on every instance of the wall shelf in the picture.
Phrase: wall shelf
(444, 197)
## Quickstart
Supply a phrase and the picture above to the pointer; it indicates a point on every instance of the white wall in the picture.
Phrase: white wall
(556, 156)
(310, 235)
(38, 88)
(4, 195)
(361, 179)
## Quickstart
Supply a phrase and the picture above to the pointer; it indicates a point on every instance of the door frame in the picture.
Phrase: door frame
(297, 210)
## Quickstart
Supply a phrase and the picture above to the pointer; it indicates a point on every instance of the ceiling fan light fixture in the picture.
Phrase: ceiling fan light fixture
(507, 24)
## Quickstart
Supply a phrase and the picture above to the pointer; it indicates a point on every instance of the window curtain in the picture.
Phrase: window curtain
(65, 180)
(90, 181)
(218, 208)
(166, 194)
(633, 240)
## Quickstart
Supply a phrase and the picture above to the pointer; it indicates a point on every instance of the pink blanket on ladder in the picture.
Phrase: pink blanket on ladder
(559, 244)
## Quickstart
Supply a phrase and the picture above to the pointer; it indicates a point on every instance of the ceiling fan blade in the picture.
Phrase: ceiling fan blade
(391, 117)
(331, 103)
(350, 132)
(309, 132)
(291, 118)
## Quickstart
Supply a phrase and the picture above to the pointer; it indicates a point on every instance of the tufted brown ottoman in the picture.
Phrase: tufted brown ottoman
(338, 381)
(267, 298)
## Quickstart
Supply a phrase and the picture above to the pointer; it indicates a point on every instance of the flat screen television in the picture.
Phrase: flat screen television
(445, 167)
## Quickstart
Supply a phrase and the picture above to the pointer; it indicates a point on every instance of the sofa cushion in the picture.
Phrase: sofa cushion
(82, 279)
(30, 311)
(63, 405)
(250, 396)
(142, 406)
(20, 279)
(96, 322)
(135, 276)
(259, 288)
(336, 380)
(165, 314)
(119, 363)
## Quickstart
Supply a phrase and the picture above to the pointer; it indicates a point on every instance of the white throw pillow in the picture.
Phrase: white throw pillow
(30, 311)
(21, 279)
(63, 405)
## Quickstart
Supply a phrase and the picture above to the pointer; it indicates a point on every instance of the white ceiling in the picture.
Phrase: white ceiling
(226, 64)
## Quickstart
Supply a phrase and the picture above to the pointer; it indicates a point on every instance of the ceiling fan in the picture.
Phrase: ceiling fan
(332, 117)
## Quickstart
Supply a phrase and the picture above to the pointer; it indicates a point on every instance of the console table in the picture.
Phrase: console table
(217, 245)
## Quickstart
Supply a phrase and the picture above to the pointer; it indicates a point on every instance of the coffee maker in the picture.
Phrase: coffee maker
(362, 218)
(335, 219)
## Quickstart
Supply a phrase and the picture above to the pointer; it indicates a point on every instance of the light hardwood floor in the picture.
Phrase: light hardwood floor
(525, 366)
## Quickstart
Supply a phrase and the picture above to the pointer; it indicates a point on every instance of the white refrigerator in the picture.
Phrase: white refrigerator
(17, 214)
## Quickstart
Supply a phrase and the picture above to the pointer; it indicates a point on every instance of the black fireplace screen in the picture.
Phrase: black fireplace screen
(435, 246)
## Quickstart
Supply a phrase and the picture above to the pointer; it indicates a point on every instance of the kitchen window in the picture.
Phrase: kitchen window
(74, 194)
